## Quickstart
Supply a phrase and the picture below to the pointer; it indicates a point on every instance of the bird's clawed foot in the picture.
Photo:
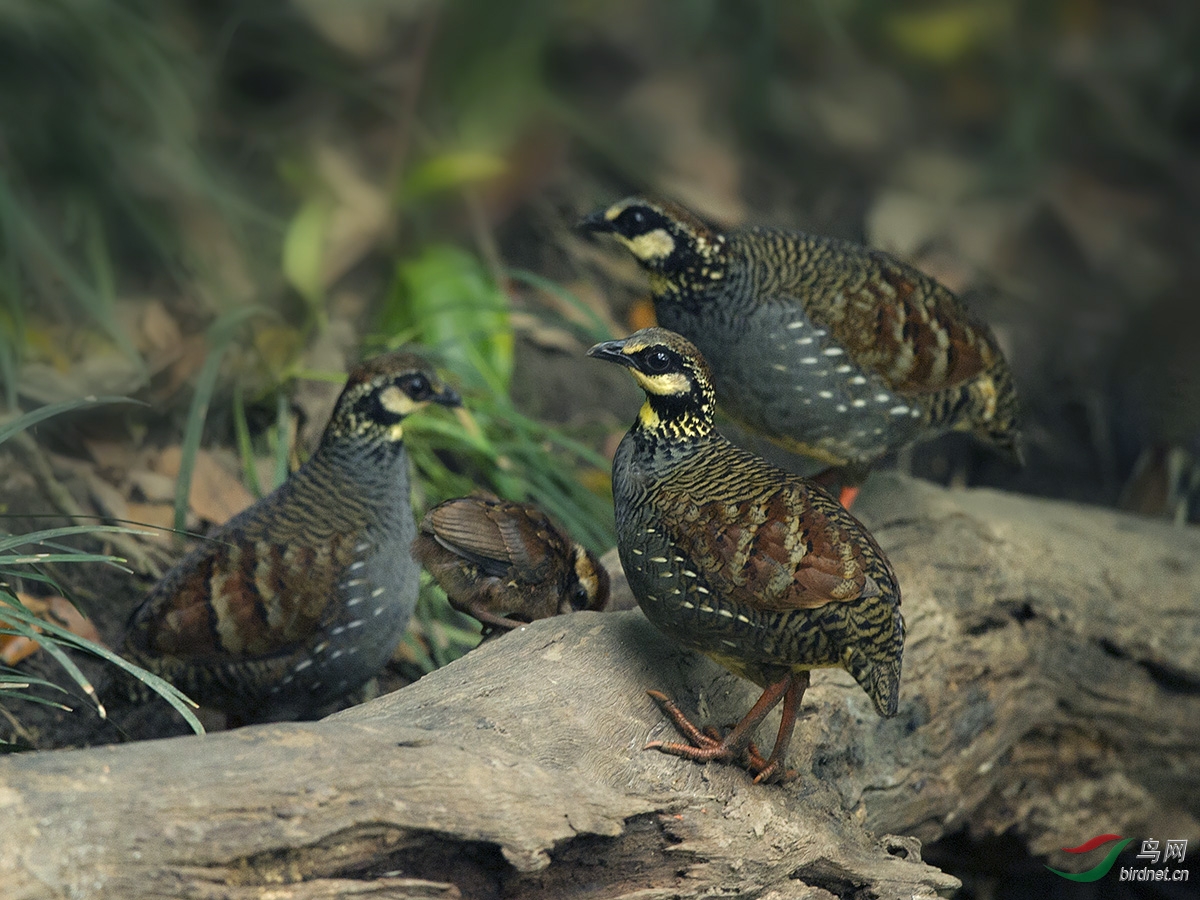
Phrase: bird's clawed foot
(709, 745)
(767, 771)
(705, 745)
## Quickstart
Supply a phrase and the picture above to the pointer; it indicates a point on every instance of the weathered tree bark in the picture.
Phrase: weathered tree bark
(1051, 686)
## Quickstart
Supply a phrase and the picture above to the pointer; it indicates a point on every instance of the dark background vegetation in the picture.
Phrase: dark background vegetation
(215, 207)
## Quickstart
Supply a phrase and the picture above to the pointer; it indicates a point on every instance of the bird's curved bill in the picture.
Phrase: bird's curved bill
(596, 222)
(613, 351)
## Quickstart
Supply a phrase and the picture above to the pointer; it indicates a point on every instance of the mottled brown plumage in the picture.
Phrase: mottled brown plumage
(827, 348)
(302, 597)
(754, 566)
(506, 563)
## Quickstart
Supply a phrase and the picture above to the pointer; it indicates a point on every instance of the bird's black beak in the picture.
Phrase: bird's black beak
(595, 223)
(612, 351)
(446, 396)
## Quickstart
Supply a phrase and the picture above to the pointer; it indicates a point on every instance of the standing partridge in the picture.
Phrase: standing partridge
(303, 596)
(825, 347)
(506, 563)
(756, 567)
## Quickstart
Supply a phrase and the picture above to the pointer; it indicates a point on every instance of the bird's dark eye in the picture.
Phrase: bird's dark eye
(417, 386)
(657, 360)
(634, 221)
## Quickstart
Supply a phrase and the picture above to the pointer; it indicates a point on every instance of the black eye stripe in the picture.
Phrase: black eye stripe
(415, 385)
(639, 220)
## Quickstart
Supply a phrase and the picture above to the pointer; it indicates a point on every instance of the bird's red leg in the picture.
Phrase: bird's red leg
(847, 479)
(772, 769)
(704, 747)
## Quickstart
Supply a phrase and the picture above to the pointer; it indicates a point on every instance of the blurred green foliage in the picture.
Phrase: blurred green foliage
(446, 298)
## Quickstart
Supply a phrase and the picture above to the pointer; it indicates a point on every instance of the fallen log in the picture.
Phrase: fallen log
(1051, 688)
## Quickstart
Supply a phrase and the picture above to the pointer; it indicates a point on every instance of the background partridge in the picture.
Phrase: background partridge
(825, 347)
(757, 568)
(506, 563)
(303, 596)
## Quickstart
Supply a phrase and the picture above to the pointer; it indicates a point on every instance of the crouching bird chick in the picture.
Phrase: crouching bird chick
(756, 567)
(303, 596)
(506, 563)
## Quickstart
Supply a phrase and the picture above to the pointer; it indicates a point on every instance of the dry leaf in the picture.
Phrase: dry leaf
(216, 494)
(159, 332)
(56, 609)
(115, 455)
(361, 215)
(186, 366)
(16, 647)
(902, 222)
(939, 215)
(589, 295)
(153, 487)
(109, 501)
(157, 518)
(213, 249)
(330, 351)
(548, 337)
(106, 371)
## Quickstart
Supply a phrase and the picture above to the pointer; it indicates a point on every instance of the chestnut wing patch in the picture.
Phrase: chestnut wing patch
(241, 598)
(762, 554)
(898, 323)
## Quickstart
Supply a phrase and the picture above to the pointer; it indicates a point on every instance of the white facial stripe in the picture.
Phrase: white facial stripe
(656, 244)
(396, 401)
(667, 385)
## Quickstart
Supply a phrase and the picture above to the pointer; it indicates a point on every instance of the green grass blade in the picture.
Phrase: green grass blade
(245, 448)
(221, 334)
(21, 621)
(598, 330)
(29, 419)
(47, 535)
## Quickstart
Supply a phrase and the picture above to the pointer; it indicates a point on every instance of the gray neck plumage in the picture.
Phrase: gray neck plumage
(777, 260)
(355, 479)
(647, 454)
